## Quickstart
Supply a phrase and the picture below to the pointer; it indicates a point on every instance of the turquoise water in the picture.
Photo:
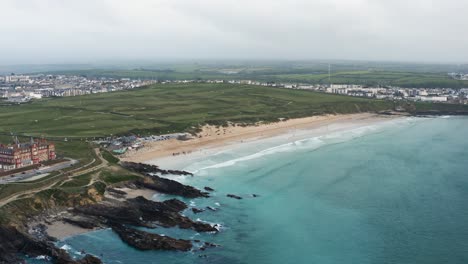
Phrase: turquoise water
(393, 195)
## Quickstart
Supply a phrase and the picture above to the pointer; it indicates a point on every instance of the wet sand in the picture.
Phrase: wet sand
(214, 137)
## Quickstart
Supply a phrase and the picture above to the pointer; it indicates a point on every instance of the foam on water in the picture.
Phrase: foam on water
(393, 192)
(307, 143)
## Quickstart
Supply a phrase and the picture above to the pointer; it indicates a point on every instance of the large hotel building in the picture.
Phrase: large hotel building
(25, 154)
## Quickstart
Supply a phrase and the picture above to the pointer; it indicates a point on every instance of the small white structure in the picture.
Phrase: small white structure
(434, 98)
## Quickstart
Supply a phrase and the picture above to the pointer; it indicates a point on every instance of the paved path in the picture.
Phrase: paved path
(33, 174)
(70, 175)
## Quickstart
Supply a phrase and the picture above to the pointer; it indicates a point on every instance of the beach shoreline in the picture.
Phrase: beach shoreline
(161, 153)
(167, 153)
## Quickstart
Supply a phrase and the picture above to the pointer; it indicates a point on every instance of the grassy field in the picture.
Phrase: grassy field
(408, 75)
(170, 108)
(109, 157)
(373, 78)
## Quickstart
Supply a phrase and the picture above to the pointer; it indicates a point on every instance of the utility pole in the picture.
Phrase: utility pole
(329, 75)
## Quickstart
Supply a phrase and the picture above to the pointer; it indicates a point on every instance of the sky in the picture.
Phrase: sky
(90, 31)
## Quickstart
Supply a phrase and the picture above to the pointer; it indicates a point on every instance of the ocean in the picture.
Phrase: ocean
(395, 192)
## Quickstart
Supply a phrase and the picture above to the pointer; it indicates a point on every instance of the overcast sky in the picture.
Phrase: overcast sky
(90, 31)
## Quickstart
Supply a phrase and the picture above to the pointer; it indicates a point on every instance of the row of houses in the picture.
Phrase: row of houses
(23, 88)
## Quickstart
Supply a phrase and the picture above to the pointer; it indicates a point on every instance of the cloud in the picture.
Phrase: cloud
(45, 31)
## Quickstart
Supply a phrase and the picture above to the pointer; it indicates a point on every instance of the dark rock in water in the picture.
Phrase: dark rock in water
(147, 241)
(197, 211)
(255, 195)
(209, 189)
(151, 207)
(211, 208)
(168, 186)
(160, 184)
(175, 205)
(14, 242)
(88, 259)
(116, 213)
(146, 168)
(234, 196)
(207, 245)
(143, 212)
(204, 227)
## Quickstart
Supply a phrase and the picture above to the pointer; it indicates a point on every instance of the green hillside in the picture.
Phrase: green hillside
(168, 108)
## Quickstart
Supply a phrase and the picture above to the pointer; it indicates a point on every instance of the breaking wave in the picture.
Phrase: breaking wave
(311, 143)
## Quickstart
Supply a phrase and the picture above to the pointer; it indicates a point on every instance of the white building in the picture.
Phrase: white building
(35, 95)
(16, 78)
(422, 93)
(434, 98)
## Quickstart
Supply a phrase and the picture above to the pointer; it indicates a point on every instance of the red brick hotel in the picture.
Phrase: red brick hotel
(25, 154)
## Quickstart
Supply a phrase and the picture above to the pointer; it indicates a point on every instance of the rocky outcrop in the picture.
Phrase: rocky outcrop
(147, 169)
(197, 211)
(168, 186)
(209, 189)
(118, 213)
(143, 212)
(207, 245)
(85, 223)
(167, 214)
(116, 193)
(234, 196)
(89, 259)
(91, 209)
(164, 185)
(14, 242)
(148, 241)
(211, 208)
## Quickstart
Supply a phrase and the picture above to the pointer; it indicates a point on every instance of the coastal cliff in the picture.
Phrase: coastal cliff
(100, 206)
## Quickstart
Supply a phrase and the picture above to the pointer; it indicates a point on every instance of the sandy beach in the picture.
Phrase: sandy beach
(215, 137)
(61, 230)
(170, 152)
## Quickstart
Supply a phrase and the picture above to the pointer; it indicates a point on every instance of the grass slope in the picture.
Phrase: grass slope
(171, 108)
(389, 78)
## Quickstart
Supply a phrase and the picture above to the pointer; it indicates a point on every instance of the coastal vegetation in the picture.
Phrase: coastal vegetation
(109, 157)
(170, 108)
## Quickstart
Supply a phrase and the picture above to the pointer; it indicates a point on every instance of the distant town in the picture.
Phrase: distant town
(24, 88)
